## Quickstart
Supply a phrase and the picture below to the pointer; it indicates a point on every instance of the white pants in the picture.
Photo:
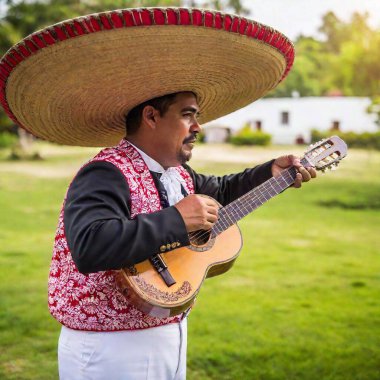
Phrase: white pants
(157, 353)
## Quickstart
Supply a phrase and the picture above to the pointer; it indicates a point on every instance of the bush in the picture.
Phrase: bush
(248, 137)
(7, 139)
(366, 140)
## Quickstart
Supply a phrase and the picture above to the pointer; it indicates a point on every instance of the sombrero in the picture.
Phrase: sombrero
(74, 82)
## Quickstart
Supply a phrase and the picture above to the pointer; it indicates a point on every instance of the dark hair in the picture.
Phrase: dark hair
(133, 118)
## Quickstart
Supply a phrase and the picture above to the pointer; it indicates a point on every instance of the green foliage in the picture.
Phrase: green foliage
(345, 62)
(366, 140)
(7, 139)
(246, 136)
(374, 108)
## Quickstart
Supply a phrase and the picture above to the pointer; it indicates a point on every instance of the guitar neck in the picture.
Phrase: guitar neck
(252, 200)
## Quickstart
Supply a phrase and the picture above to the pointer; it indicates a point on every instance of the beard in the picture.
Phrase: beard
(185, 154)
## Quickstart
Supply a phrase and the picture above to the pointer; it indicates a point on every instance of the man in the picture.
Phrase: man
(138, 195)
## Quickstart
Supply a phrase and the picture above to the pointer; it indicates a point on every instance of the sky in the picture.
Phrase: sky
(295, 17)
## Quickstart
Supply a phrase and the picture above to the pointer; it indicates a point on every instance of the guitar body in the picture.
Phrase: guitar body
(189, 266)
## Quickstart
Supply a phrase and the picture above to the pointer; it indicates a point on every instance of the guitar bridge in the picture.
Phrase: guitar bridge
(160, 266)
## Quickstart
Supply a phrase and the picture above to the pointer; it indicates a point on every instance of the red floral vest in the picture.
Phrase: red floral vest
(93, 301)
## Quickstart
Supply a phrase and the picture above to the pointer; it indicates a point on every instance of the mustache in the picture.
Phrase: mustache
(191, 138)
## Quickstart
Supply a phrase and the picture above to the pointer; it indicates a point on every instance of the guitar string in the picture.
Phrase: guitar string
(250, 199)
(236, 212)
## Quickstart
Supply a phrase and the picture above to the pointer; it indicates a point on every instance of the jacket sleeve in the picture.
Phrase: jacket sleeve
(227, 188)
(100, 232)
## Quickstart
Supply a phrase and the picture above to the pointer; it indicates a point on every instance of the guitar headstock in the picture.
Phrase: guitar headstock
(326, 154)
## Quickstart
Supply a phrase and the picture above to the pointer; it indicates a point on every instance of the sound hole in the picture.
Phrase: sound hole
(200, 240)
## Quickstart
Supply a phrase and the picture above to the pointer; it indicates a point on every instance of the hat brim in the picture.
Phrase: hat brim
(76, 89)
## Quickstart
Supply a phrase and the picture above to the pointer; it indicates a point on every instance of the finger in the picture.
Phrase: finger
(298, 181)
(312, 171)
(211, 202)
(306, 176)
(211, 218)
(212, 210)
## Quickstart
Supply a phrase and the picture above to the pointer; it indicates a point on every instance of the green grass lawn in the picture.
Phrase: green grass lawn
(301, 302)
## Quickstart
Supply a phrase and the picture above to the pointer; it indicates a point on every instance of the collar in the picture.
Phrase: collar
(152, 164)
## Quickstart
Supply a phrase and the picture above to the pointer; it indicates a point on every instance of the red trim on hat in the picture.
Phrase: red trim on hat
(235, 24)
(60, 33)
(140, 17)
(218, 21)
(128, 18)
(116, 20)
(146, 17)
(159, 17)
(69, 29)
(23, 50)
(197, 17)
(243, 26)
(95, 23)
(136, 16)
(47, 37)
(79, 28)
(227, 22)
(18, 57)
(37, 40)
(184, 17)
(172, 17)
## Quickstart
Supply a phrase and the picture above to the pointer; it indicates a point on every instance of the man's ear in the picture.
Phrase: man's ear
(149, 116)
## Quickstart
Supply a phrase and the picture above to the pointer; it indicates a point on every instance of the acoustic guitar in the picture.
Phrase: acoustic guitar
(167, 284)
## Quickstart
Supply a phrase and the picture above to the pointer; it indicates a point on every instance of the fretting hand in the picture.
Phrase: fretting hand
(284, 162)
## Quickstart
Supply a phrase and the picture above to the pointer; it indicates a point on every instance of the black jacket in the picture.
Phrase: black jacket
(100, 233)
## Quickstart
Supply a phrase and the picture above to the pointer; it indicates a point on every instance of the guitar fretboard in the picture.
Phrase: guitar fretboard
(250, 201)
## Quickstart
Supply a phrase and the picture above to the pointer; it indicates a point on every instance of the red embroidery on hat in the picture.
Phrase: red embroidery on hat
(87, 22)
(95, 23)
(128, 18)
(136, 16)
(93, 302)
(197, 17)
(248, 31)
(209, 19)
(243, 26)
(105, 22)
(116, 20)
(60, 33)
(48, 38)
(255, 30)
(79, 28)
(146, 17)
(69, 29)
(18, 58)
(8, 60)
(172, 17)
(6, 65)
(37, 40)
(159, 17)
(227, 22)
(184, 16)
(23, 50)
(235, 24)
(218, 21)
(11, 61)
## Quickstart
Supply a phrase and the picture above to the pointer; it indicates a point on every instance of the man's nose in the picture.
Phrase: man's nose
(196, 127)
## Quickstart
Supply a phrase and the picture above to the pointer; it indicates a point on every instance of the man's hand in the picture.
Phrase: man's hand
(198, 213)
(284, 162)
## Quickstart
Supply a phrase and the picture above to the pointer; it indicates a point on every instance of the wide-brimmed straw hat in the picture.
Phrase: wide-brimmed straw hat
(74, 82)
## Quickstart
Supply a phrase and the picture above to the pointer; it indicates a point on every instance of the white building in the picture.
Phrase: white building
(290, 120)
